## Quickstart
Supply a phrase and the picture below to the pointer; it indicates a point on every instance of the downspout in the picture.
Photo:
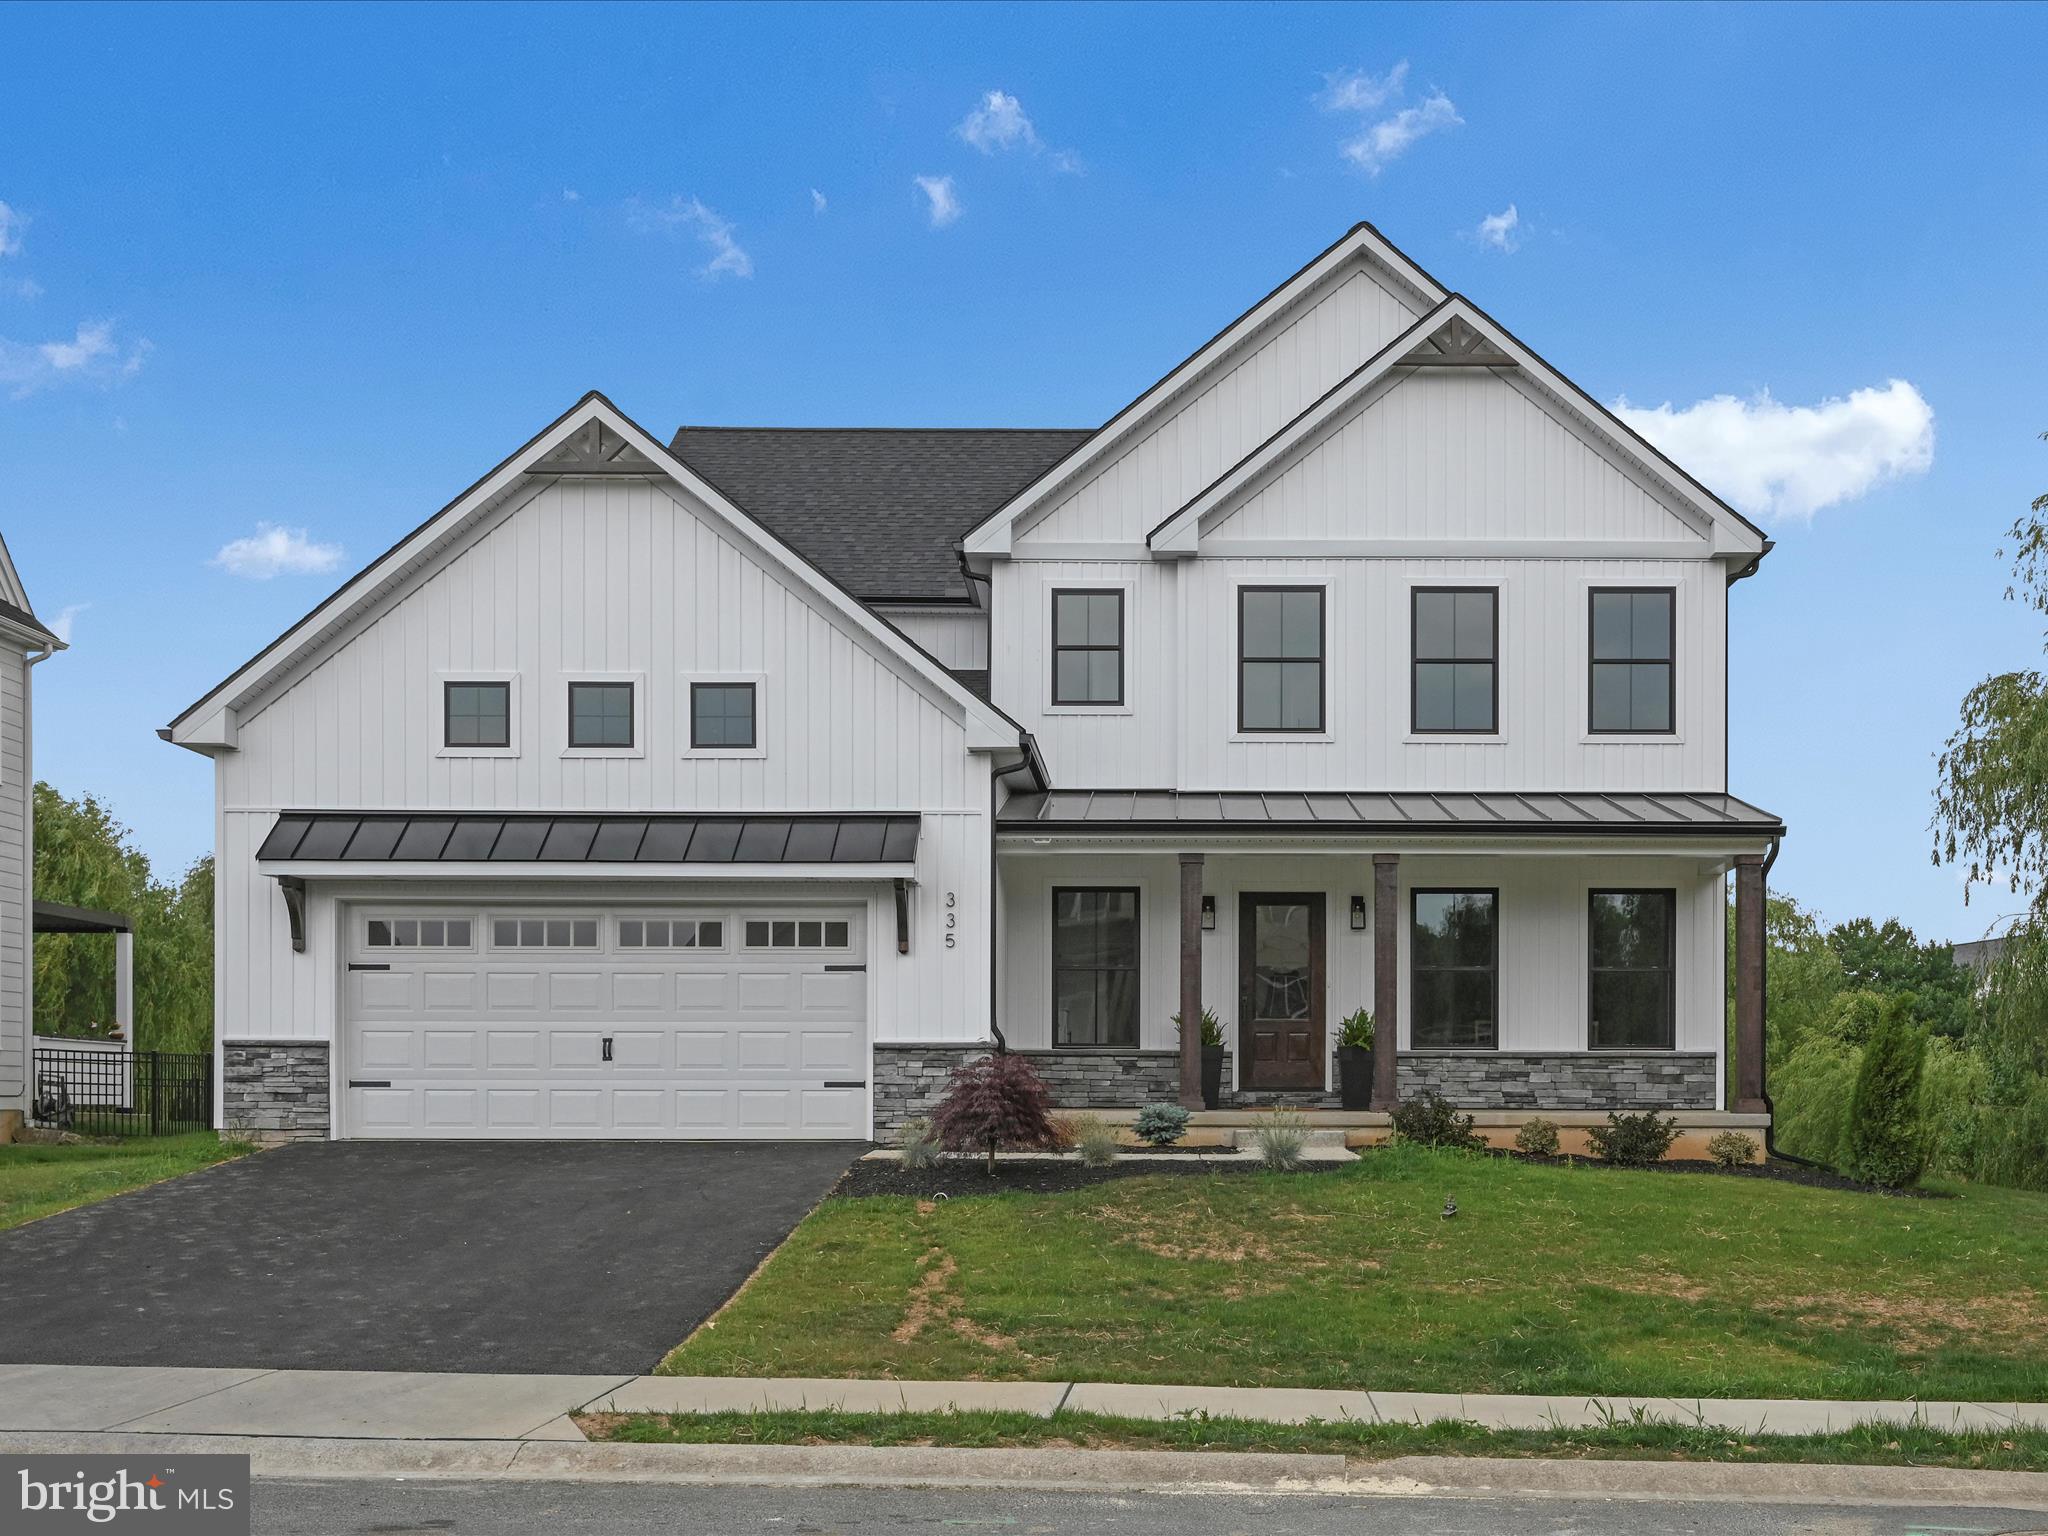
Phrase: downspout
(1029, 762)
(28, 868)
(1771, 1148)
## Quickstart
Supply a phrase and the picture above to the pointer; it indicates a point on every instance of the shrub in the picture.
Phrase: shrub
(1279, 1140)
(1810, 1094)
(915, 1141)
(1886, 1147)
(1633, 1141)
(1852, 1017)
(1538, 1138)
(996, 1101)
(1094, 1140)
(1212, 1027)
(1161, 1124)
(1356, 1030)
(1430, 1122)
(1731, 1149)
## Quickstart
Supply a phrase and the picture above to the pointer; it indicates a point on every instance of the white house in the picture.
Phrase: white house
(743, 784)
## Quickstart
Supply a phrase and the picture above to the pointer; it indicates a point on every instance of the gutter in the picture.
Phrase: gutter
(1751, 568)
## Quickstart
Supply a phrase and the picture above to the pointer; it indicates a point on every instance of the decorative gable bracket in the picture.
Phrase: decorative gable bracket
(594, 449)
(1456, 344)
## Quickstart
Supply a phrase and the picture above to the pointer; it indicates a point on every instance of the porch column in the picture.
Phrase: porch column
(1749, 985)
(1386, 990)
(1191, 981)
(124, 983)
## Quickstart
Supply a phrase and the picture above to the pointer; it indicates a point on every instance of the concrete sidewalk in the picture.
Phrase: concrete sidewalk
(420, 1405)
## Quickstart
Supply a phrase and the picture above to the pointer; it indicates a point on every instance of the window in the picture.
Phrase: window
(417, 933)
(544, 932)
(1454, 971)
(1087, 647)
(477, 714)
(1095, 968)
(721, 714)
(1634, 681)
(1280, 659)
(796, 933)
(671, 933)
(1454, 634)
(1634, 988)
(600, 714)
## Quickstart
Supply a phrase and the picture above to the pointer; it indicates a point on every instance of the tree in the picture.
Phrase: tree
(83, 858)
(1886, 1146)
(1991, 791)
(1888, 958)
(996, 1101)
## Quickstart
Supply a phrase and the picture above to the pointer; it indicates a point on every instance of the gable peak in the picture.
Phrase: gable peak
(594, 449)
(1457, 343)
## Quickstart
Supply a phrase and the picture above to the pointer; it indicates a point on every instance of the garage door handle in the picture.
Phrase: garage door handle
(359, 965)
(365, 1082)
(861, 1084)
(845, 967)
(607, 1047)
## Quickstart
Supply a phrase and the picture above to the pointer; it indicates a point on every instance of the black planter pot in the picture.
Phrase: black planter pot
(1212, 1076)
(1354, 1076)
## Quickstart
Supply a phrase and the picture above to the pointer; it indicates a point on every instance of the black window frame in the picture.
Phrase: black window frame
(1322, 659)
(448, 687)
(1416, 661)
(1057, 701)
(1136, 967)
(752, 743)
(1670, 663)
(1670, 966)
(631, 743)
(1492, 967)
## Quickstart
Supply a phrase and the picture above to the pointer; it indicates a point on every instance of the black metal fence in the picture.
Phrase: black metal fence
(121, 1093)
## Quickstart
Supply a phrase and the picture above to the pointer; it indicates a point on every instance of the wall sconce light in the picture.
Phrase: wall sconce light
(1208, 914)
(1358, 914)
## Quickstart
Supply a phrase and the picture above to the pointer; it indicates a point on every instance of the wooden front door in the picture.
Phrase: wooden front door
(1280, 990)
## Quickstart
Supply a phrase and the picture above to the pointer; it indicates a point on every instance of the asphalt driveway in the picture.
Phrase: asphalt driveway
(545, 1257)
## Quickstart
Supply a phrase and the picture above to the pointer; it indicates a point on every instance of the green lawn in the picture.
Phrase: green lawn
(42, 1180)
(2023, 1450)
(1549, 1279)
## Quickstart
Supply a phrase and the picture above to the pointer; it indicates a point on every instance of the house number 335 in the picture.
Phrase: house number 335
(952, 919)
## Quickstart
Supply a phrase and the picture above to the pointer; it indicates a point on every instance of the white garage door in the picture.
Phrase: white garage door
(685, 1021)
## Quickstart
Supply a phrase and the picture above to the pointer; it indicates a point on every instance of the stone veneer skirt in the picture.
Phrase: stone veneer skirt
(275, 1090)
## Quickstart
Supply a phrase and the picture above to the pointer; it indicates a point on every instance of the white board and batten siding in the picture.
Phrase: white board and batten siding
(956, 637)
(591, 578)
(16, 810)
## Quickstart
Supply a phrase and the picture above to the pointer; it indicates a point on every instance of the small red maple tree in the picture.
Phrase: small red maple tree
(997, 1101)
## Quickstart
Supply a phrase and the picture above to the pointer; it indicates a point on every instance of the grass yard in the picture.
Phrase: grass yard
(38, 1180)
(2014, 1451)
(1549, 1279)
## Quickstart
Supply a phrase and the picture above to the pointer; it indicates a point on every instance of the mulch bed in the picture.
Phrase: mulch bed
(1776, 1170)
(1038, 1177)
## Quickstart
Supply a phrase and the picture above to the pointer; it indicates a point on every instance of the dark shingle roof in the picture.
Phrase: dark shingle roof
(878, 509)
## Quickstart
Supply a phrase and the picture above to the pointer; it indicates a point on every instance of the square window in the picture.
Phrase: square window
(835, 935)
(379, 936)
(505, 933)
(722, 715)
(477, 714)
(433, 933)
(405, 932)
(630, 930)
(710, 935)
(583, 933)
(600, 714)
(810, 935)
(785, 934)
(458, 933)
(757, 934)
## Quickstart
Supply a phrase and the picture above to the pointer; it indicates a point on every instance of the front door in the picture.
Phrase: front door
(1280, 1006)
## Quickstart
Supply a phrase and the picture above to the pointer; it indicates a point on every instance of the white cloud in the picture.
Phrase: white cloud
(943, 203)
(571, 195)
(1789, 461)
(11, 226)
(1387, 140)
(23, 288)
(1502, 231)
(818, 204)
(94, 355)
(689, 216)
(1358, 91)
(998, 123)
(66, 620)
(276, 551)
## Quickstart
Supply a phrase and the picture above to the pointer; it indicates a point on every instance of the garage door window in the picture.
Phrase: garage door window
(417, 933)
(671, 933)
(544, 932)
(795, 933)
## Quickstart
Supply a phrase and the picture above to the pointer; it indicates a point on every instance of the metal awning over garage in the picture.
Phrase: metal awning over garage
(372, 838)
(1440, 813)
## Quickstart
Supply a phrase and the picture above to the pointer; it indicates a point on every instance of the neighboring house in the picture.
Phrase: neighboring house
(1979, 957)
(24, 641)
(743, 785)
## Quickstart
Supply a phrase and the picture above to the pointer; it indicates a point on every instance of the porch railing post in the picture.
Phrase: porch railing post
(1749, 985)
(1191, 980)
(1386, 992)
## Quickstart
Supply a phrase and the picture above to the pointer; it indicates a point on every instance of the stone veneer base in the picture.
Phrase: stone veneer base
(275, 1090)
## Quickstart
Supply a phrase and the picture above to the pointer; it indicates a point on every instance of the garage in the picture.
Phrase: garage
(575, 1020)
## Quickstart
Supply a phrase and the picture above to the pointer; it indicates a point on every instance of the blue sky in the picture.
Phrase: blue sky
(318, 268)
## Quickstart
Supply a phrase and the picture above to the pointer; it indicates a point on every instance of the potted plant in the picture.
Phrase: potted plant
(1354, 1060)
(1212, 1057)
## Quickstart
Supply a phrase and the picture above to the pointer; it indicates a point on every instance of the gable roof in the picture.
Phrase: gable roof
(1360, 242)
(15, 612)
(1455, 333)
(879, 508)
(571, 443)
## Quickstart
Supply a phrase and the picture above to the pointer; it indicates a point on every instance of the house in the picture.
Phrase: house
(743, 784)
(24, 641)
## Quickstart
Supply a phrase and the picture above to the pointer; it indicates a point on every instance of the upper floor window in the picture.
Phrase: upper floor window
(477, 714)
(1634, 676)
(1454, 970)
(1455, 636)
(1087, 647)
(1280, 658)
(600, 714)
(721, 715)
(1630, 949)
